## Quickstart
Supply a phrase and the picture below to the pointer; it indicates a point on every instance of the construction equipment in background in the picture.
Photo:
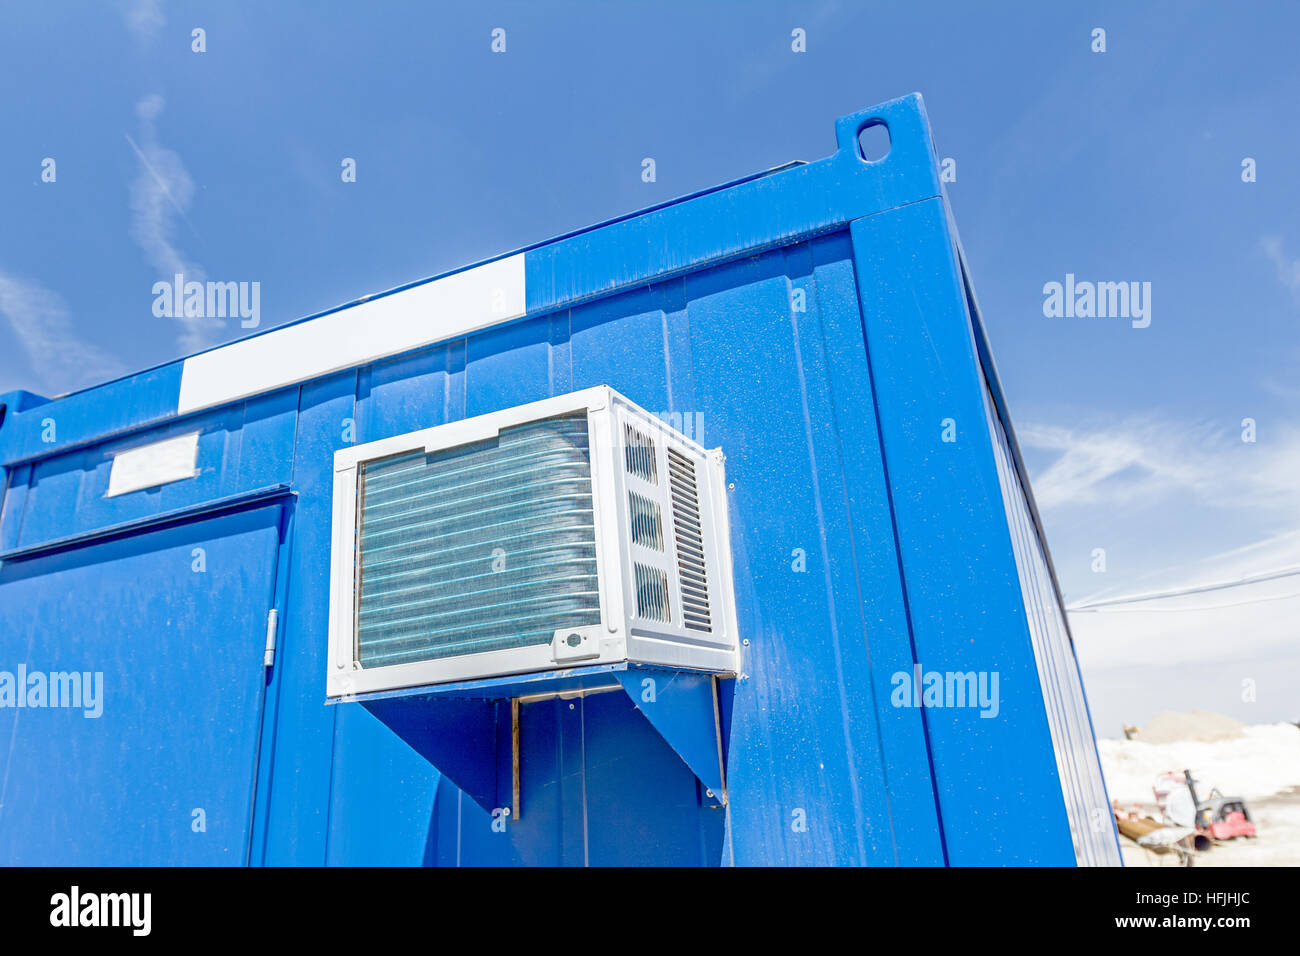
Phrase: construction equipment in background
(1161, 838)
(1217, 817)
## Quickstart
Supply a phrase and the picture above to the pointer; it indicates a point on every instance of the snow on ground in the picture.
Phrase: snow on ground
(1259, 763)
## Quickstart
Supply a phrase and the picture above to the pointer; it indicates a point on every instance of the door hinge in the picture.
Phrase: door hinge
(271, 617)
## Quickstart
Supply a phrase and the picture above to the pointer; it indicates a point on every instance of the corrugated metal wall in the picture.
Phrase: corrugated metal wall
(1082, 785)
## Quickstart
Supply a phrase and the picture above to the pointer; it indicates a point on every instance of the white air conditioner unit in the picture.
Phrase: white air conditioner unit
(575, 531)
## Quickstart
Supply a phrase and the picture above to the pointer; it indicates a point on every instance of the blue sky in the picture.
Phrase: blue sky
(1115, 166)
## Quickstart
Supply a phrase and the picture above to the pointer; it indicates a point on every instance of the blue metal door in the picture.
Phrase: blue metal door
(153, 760)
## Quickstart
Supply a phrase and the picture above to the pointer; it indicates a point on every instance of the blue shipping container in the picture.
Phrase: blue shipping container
(164, 615)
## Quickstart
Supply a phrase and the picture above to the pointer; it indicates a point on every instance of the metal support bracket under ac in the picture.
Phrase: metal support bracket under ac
(682, 707)
(516, 703)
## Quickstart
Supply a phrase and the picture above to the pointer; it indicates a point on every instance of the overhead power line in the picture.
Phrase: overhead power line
(1196, 589)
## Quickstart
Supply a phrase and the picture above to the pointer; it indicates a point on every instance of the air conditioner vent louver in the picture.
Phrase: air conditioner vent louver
(647, 521)
(652, 594)
(476, 548)
(692, 571)
(640, 455)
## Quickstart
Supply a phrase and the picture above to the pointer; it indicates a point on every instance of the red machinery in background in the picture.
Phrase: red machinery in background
(1219, 817)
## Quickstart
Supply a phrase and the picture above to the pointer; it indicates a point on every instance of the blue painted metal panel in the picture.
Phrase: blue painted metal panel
(867, 519)
(403, 395)
(683, 707)
(66, 492)
(508, 366)
(17, 480)
(299, 749)
(91, 415)
(643, 807)
(806, 770)
(960, 575)
(381, 796)
(174, 620)
(812, 323)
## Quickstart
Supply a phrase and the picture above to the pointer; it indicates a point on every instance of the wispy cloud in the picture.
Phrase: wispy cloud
(160, 195)
(1180, 501)
(1184, 505)
(143, 17)
(1139, 462)
(59, 359)
(1288, 268)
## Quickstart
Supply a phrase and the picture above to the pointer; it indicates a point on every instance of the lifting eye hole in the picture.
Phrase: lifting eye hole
(873, 141)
